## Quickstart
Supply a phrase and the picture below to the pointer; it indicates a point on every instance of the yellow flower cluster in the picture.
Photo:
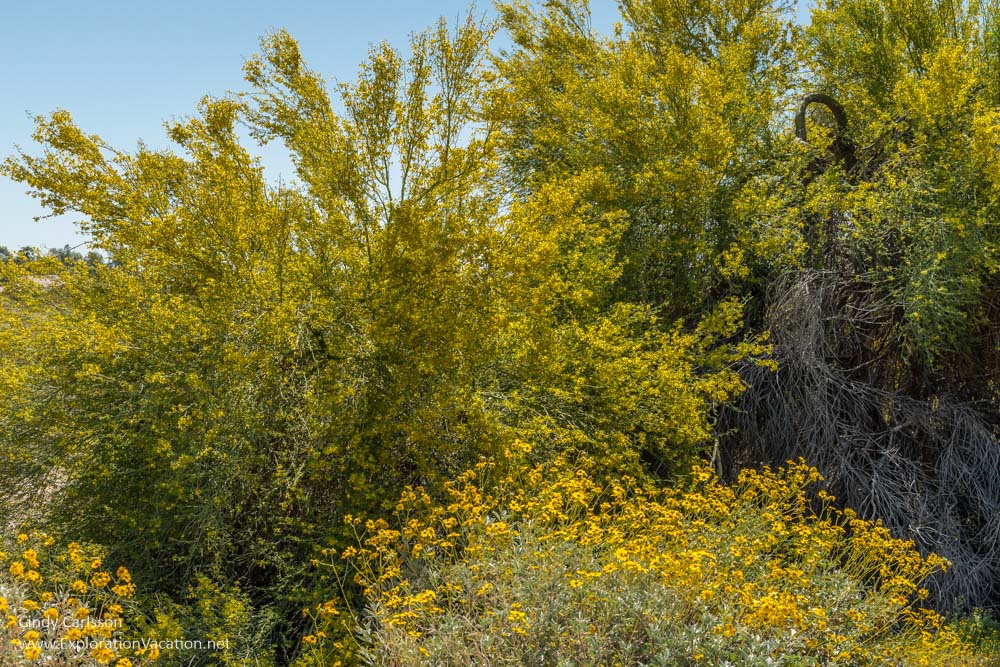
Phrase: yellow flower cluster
(52, 614)
(753, 569)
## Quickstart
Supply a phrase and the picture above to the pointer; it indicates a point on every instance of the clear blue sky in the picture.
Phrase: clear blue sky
(123, 68)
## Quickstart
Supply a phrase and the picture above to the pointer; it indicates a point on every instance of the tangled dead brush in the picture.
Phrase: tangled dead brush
(925, 465)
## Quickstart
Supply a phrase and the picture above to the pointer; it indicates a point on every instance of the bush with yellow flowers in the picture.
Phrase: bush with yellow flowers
(556, 567)
(62, 606)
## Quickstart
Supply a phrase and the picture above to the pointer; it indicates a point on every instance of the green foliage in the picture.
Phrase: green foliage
(240, 633)
(980, 629)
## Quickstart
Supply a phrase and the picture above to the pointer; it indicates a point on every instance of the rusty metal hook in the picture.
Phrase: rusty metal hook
(841, 148)
(819, 98)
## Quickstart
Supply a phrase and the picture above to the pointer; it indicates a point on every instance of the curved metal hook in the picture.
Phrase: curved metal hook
(819, 98)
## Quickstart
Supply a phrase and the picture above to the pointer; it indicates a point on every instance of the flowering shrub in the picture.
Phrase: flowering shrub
(63, 606)
(556, 568)
(259, 360)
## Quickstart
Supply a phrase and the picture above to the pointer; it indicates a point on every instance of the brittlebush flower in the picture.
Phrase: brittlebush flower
(753, 561)
(103, 655)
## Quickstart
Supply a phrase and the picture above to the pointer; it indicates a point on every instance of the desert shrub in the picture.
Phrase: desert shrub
(554, 568)
(559, 244)
(678, 108)
(980, 629)
(258, 359)
(62, 606)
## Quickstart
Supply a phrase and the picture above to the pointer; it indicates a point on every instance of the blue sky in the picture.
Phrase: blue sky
(123, 68)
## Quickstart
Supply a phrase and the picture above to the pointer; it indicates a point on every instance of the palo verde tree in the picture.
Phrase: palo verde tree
(259, 360)
(678, 108)
(874, 268)
(678, 126)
